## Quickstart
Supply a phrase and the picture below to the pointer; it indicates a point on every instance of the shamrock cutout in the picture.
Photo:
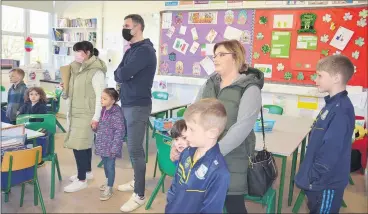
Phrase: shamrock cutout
(256, 55)
(280, 67)
(327, 18)
(288, 75)
(359, 41)
(263, 20)
(362, 22)
(300, 76)
(313, 77)
(325, 52)
(355, 54)
(348, 16)
(266, 48)
(363, 13)
(337, 53)
(324, 38)
(260, 36)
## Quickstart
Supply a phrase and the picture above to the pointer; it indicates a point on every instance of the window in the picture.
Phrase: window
(17, 25)
(12, 19)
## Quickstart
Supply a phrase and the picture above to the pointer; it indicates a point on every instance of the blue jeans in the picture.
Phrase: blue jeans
(109, 166)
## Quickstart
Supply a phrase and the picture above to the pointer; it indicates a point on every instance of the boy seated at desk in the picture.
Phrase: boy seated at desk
(324, 173)
(202, 179)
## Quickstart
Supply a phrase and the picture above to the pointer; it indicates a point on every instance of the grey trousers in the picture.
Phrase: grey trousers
(136, 121)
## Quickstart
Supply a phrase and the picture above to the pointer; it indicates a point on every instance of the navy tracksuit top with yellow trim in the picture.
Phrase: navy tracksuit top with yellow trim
(200, 187)
(327, 161)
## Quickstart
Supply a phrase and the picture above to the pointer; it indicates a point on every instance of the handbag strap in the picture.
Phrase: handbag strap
(263, 131)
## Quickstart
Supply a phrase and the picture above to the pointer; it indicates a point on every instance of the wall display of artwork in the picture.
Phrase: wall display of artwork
(286, 44)
(188, 38)
(316, 33)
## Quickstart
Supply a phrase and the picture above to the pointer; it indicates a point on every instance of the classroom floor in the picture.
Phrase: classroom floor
(87, 200)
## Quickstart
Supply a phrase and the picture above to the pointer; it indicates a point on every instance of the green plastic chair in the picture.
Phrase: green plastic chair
(48, 122)
(165, 165)
(274, 109)
(14, 161)
(180, 112)
(55, 106)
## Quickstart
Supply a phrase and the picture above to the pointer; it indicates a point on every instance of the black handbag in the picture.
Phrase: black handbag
(262, 170)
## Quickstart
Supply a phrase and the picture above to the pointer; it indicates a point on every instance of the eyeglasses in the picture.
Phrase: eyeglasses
(221, 55)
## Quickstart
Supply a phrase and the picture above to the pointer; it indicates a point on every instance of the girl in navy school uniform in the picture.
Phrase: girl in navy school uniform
(34, 103)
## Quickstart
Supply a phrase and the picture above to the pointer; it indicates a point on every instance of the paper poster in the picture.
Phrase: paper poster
(196, 70)
(280, 44)
(179, 67)
(194, 47)
(186, 3)
(194, 33)
(242, 17)
(283, 21)
(170, 32)
(293, 2)
(307, 102)
(229, 17)
(208, 65)
(307, 42)
(180, 45)
(162, 85)
(201, 3)
(317, 2)
(179, 18)
(265, 68)
(182, 30)
(166, 20)
(207, 49)
(232, 33)
(208, 17)
(341, 38)
(164, 49)
(304, 61)
(245, 38)
(234, 3)
(171, 3)
(211, 35)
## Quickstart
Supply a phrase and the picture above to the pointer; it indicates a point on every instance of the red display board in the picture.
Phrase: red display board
(287, 44)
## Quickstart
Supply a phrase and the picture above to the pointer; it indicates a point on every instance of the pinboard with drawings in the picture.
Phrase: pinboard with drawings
(188, 37)
(285, 44)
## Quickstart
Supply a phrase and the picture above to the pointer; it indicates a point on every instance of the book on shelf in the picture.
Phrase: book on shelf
(57, 34)
(62, 50)
(77, 23)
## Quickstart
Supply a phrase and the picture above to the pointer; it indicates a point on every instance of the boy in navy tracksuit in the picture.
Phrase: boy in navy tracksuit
(202, 179)
(324, 173)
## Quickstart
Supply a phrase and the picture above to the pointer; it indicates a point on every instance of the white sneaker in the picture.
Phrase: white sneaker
(89, 176)
(106, 194)
(133, 203)
(76, 186)
(103, 186)
(126, 187)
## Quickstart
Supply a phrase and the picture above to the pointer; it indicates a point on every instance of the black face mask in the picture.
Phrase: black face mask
(126, 34)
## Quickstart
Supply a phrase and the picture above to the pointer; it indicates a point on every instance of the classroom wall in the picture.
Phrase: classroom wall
(113, 13)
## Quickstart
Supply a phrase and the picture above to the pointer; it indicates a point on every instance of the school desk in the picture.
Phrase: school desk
(284, 140)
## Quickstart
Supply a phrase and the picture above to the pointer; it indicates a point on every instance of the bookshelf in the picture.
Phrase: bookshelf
(66, 33)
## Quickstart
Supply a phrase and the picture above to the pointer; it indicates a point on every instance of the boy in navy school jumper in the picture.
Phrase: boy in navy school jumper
(15, 94)
(324, 173)
(202, 179)
(177, 133)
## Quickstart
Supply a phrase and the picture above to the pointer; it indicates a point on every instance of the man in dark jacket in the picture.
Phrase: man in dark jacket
(135, 75)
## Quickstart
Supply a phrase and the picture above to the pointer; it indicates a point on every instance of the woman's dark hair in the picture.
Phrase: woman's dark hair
(40, 91)
(85, 46)
(112, 93)
(177, 129)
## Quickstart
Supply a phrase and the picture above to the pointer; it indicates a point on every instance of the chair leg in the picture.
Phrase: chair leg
(155, 191)
(22, 195)
(40, 197)
(154, 172)
(100, 165)
(6, 198)
(60, 126)
(52, 191)
(351, 182)
(163, 187)
(35, 193)
(271, 202)
(298, 202)
(58, 167)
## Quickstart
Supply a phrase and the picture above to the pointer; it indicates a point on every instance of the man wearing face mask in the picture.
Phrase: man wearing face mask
(135, 75)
